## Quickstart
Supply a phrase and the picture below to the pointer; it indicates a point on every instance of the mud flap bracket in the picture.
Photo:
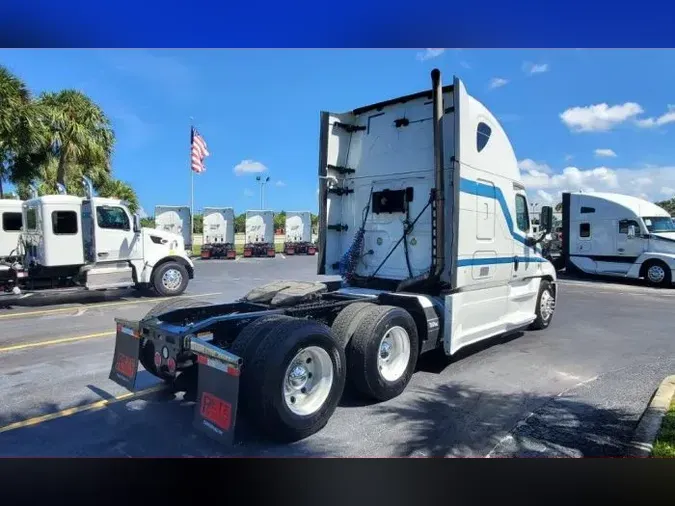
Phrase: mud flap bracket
(217, 390)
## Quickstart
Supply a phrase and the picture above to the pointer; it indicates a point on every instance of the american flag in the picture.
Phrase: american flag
(198, 151)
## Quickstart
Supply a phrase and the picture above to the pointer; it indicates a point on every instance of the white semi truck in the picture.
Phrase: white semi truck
(298, 230)
(423, 214)
(91, 243)
(10, 227)
(218, 233)
(616, 235)
(259, 233)
(177, 220)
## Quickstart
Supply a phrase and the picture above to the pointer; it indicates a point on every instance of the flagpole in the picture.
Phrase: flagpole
(192, 187)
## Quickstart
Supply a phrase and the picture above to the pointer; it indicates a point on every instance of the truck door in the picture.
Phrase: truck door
(115, 238)
(523, 288)
(628, 247)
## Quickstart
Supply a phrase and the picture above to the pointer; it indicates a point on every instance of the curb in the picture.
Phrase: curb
(650, 423)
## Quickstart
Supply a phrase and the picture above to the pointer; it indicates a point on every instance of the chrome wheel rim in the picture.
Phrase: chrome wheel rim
(656, 274)
(393, 354)
(308, 381)
(546, 304)
(172, 279)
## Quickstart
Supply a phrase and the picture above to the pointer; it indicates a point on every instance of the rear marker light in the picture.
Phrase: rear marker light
(165, 352)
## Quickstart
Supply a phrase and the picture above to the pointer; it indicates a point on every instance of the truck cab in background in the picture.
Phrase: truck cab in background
(93, 243)
(11, 222)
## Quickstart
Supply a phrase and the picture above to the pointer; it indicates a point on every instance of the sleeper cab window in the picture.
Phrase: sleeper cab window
(11, 222)
(522, 218)
(584, 230)
(482, 136)
(111, 217)
(64, 222)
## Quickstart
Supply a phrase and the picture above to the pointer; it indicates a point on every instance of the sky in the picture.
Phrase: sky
(593, 120)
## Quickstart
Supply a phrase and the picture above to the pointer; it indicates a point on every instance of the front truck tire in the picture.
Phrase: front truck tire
(147, 352)
(657, 273)
(170, 279)
(545, 306)
(294, 377)
(382, 354)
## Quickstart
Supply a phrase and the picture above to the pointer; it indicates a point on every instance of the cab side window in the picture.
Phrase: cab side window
(624, 225)
(522, 216)
(112, 217)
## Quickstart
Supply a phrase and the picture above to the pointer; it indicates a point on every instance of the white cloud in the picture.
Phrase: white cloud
(607, 153)
(648, 183)
(545, 196)
(535, 68)
(249, 167)
(429, 54)
(664, 119)
(248, 193)
(530, 165)
(280, 183)
(599, 117)
(498, 82)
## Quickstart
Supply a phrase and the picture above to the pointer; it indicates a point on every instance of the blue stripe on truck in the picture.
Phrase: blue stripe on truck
(466, 262)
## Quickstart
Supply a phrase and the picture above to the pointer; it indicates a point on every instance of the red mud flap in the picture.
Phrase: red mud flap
(290, 251)
(271, 252)
(127, 349)
(206, 254)
(311, 250)
(217, 391)
(248, 252)
(231, 254)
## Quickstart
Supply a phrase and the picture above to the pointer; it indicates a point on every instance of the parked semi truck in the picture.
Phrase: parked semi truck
(424, 216)
(218, 233)
(72, 243)
(298, 230)
(11, 221)
(259, 233)
(617, 235)
(177, 220)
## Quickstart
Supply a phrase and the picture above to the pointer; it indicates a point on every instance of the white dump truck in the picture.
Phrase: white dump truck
(177, 220)
(424, 215)
(616, 235)
(218, 233)
(259, 233)
(298, 229)
(11, 221)
(92, 243)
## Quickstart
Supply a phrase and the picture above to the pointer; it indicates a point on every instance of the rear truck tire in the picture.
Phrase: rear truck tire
(382, 354)
(657, 273)
(545, 306)
(296, 376)
(147, 351)
(170, 279)
(348, 320)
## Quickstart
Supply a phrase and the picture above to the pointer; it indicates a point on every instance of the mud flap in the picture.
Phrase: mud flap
(217, 391)
(127, 350)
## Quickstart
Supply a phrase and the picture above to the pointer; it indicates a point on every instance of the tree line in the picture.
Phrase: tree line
(55, 137)
(239, 222)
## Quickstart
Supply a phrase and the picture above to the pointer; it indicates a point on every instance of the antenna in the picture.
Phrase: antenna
(60, 189)
(88, 187)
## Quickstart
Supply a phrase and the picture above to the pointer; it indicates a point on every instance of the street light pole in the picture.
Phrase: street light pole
(262, 183)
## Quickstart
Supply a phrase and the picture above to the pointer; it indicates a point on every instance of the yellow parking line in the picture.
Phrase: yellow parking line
(59, 340)
(79, 409)
(101, 304)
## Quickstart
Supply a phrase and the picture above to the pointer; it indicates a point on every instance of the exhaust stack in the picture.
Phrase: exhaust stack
(438, 246)
(88, 187)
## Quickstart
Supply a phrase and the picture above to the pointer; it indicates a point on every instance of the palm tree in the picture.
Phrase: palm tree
(77, 132)
(19, 142)
(114, 188)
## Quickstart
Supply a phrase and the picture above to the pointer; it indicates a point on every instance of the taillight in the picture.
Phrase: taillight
(171, 364)
(158, 359)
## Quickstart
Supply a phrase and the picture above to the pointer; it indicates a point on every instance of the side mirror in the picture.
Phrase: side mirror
(546, 219)
(631, 231)
(137, 223)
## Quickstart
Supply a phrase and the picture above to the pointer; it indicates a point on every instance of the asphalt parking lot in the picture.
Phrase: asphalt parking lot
(576, 389)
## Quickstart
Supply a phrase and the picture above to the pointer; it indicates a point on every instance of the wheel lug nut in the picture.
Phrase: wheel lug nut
(309, 375)
(303, 390)
(293, 400)
(309, 360)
